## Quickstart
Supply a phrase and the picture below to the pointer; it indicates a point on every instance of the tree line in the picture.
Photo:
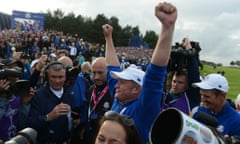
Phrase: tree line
(91, 29)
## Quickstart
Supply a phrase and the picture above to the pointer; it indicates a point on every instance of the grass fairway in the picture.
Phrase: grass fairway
(231, 73)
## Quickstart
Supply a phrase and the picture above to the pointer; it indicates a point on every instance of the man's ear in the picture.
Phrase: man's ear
(136, 89)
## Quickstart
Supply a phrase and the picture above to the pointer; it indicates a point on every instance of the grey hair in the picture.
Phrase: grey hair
(55, 66)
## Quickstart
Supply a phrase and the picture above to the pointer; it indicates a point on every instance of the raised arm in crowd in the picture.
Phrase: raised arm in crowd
(138, 93)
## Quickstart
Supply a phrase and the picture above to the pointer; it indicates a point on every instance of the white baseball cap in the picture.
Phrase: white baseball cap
(53, 55)
(130, 73)
(13, 48)
(34, 62)
(213, 81)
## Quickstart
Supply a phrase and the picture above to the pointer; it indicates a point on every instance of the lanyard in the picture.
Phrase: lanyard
(95, 100)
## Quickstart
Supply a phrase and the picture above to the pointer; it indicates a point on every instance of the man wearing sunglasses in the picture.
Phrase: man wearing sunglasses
(136, 93)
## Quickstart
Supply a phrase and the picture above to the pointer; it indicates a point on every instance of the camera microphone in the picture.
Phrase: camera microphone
(206, 119)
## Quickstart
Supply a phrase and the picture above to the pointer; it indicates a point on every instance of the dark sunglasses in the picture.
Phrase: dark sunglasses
(126, 120)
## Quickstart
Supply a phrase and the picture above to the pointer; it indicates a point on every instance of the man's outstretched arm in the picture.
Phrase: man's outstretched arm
(110, 52)
(167, 15)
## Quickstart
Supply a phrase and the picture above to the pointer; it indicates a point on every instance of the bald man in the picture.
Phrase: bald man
(66, 60)
(98, 98)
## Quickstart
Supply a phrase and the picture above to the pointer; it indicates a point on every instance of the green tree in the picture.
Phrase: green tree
(126, 34)
(54, 20)
(232, 63)
(151, 38)
(237, 63)
(97, 34)
(81, 25)
(135, 30)
(69, 23)
(87, 28)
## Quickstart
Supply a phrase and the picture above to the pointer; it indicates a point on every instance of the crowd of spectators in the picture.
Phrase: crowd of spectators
(33, 51)
(65, 106)
(13, 43)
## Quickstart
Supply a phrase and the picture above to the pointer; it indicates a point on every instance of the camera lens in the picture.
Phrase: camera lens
(25, 136)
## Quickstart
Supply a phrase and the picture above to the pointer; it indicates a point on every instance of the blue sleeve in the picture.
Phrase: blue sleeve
(111, 81)
(151, 93)
(234, 129)
(79, 89)
(80, 98)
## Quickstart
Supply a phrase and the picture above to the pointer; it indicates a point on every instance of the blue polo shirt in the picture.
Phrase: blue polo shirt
(228, 120)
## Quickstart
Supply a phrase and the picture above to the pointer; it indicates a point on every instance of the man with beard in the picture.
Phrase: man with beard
(98, 101)
(98, 96)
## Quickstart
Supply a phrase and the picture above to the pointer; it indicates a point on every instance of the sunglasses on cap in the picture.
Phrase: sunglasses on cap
(126, 120)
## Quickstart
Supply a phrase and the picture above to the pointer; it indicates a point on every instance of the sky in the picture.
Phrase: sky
(215, 24)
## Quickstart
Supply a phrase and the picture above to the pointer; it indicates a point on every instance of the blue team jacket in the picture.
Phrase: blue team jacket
(146, 107)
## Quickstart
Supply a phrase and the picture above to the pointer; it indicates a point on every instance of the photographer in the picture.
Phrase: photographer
(25, 60)
(14, 97)
(179, 92)
(37, 66)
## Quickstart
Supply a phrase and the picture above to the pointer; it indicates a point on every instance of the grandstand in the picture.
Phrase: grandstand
(5, 21)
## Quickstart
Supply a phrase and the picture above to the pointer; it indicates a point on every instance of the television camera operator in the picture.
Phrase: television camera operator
(173, 126)
(182, 72)
(15, 93)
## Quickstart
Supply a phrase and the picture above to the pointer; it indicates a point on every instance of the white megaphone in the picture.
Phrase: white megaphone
(174, 127)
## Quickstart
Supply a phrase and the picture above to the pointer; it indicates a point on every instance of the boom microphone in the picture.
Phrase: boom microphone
(206, 119)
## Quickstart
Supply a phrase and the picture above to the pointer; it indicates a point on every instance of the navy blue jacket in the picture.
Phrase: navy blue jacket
(42, 103)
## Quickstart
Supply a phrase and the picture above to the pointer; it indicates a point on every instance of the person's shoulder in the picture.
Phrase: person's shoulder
(234, 118)
(196, 109)
(114, 68)
(80, 76)
(40, 91)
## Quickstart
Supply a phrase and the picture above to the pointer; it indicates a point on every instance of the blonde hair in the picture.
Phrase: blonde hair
(85, 65)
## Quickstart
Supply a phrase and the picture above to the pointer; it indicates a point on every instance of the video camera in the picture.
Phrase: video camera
(25, 55)
(173, 126)
(72, 74)
(179, 56)
(10, 72)
(17, 87)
